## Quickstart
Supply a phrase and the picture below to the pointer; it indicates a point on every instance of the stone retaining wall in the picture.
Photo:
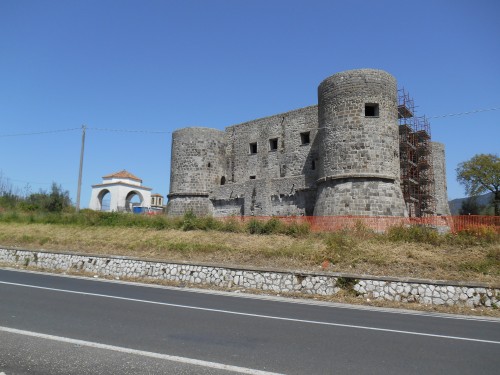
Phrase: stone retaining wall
(417, 291)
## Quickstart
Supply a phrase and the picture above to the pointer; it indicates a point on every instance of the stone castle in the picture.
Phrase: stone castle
(340, 157)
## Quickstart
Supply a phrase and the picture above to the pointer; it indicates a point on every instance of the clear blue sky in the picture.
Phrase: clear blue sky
(162, 65)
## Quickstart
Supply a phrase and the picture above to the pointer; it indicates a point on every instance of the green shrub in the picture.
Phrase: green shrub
(208, 223)
(255, 226)
(231, 225)
(272, 226)
(474, 236)
(414, 233)
(295, 229)
(340, 241)
(346, 283)
(10, 217)
(189, 221)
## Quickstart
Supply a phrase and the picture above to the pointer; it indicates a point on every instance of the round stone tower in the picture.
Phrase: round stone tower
(359, 170)
(197, 166)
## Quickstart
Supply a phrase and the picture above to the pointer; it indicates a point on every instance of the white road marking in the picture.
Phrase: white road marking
(190, 361)
(255, 315)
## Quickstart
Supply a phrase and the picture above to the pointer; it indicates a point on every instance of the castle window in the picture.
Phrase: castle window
(273, 144)
(252, 177)
(209, 164)
(371, 110)
(253, 148)
(305, 138)
(313, 165)
(223, 180)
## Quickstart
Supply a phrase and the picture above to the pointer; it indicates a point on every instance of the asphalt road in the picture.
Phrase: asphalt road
(65, 325)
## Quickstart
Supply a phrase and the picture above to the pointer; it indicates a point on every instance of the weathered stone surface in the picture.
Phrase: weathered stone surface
(277, 282)
(332, 158)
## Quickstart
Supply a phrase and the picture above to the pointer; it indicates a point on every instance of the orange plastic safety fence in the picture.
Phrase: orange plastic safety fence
(382, 223)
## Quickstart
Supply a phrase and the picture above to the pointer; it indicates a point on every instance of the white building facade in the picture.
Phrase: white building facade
(122, 187)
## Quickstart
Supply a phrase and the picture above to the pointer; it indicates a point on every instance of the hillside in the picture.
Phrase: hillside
(482, 200)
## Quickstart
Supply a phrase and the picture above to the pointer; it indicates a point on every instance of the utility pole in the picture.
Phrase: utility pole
(84, 128)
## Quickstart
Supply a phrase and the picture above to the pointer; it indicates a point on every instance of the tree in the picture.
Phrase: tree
(54, 201)
(480, 175)
(470, 207)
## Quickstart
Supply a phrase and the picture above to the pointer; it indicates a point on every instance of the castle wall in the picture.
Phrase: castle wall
(441, 192)
(197, 166)
(359, 173)
(340, 157)
(265, 197)
(290, 158)
(272, 177)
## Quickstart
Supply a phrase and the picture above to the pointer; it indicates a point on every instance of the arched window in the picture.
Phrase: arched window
(223, 180)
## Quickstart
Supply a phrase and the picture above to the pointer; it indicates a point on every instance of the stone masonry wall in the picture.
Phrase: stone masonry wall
(417, 291)
(359, 173)
(333, 152)
(360, 197)
(290, 158)
(259, 197)
(352, 143)
(441, 190)
(198, 164)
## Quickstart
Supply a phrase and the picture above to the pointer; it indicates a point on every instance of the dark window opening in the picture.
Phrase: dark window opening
(209, 164)
(223, 180)
(252, 177)
(371, 110)
(313, 165)
(305, 138)
(253, 148)
(273, 144)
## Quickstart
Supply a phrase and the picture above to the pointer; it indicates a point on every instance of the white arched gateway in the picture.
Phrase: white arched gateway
(121, 191)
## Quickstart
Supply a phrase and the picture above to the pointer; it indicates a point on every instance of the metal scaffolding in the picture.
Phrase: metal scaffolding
(415, 150)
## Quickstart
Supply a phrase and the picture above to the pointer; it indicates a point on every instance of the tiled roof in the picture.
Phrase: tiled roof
(123, 174)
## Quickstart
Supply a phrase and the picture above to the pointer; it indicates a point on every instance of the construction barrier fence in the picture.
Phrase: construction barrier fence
(452, 224)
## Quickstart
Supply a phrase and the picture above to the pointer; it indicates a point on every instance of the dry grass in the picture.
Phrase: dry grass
(354, 254)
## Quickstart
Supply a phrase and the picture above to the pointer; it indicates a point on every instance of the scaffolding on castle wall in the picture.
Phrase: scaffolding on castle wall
(415, 151)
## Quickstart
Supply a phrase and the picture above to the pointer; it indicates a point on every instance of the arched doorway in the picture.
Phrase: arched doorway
(104, 199)
(134, 198)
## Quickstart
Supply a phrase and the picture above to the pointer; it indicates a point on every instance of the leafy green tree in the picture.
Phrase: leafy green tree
(58, 199)
(481, 174)
(54, 201)
(470, 207)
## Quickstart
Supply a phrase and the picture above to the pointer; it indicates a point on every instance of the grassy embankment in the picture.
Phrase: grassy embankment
(416, 252)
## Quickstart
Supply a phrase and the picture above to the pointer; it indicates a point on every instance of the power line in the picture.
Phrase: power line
(34, 182)
(131, 131)
(465, 113)
(38, 133)
(146, 131)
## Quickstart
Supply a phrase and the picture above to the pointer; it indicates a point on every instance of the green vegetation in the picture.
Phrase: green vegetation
(55, 200)
(342, 241)
(481, 174)
(188, 222)
(408, 251)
